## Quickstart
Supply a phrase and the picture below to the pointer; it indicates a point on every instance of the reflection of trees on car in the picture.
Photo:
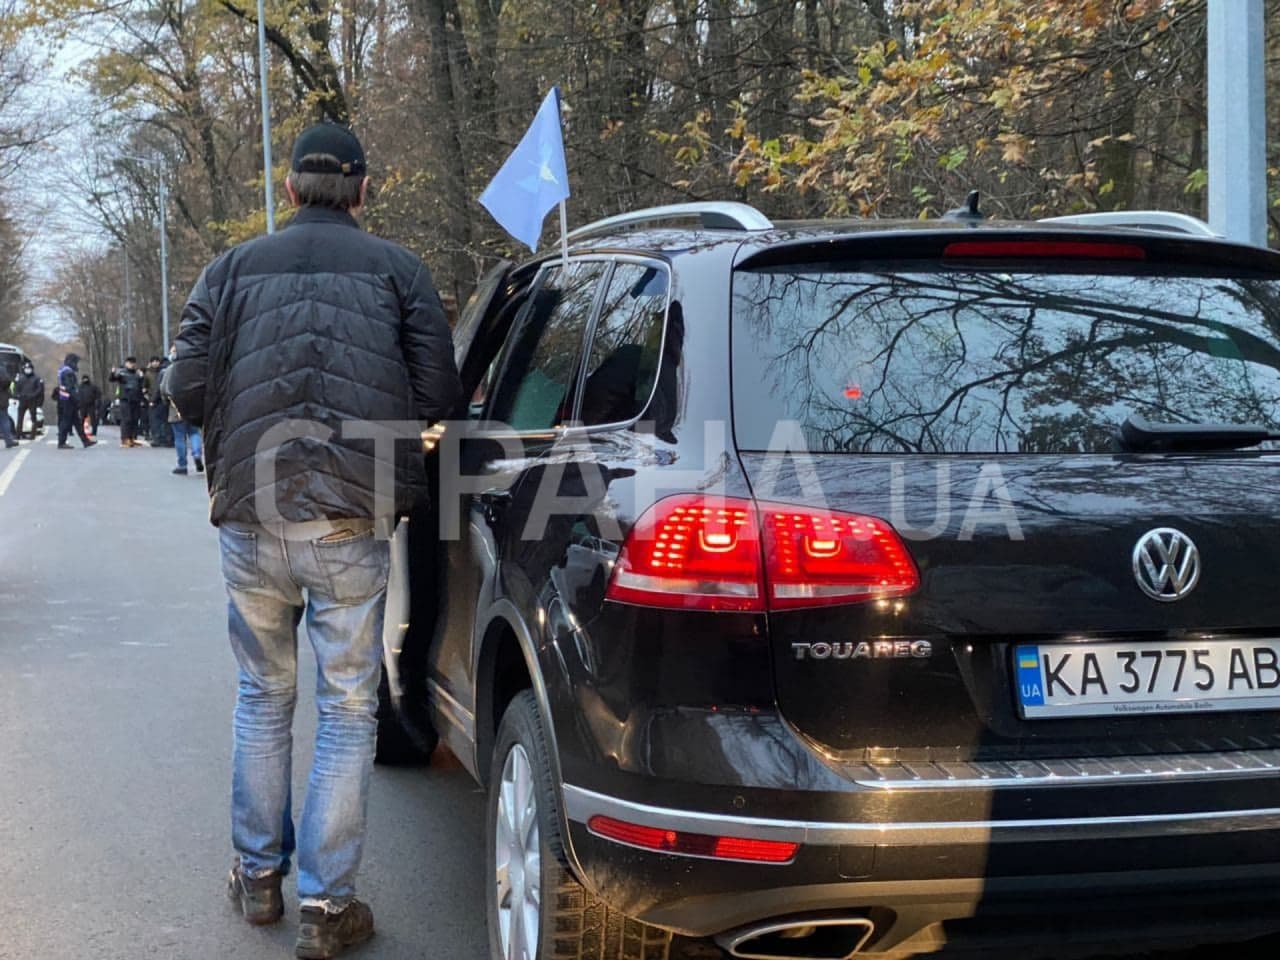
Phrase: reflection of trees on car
(1037, 362)
(543, 361)
(623, 363)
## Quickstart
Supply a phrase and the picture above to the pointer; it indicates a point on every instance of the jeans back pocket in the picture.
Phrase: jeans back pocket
(356, 566)
(239, 549)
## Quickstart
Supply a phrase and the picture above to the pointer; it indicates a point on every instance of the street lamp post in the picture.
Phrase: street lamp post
(127, 331)
(266, 119)
(164, 263)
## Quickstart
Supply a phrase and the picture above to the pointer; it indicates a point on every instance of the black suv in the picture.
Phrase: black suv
(862, 587)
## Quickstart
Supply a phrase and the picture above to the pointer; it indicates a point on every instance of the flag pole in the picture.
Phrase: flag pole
(564, 210)
(564, 236)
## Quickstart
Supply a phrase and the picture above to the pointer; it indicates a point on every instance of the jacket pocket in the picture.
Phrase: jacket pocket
(355, 566)
(239, 548)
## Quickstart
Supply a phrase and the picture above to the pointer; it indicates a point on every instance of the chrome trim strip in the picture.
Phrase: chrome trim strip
(449, 708)
(580, 805)
(968, 775)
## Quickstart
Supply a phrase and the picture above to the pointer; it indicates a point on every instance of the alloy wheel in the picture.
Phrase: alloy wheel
(518, 858)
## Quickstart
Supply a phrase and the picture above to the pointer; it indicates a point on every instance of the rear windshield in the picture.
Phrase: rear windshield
(981, 361)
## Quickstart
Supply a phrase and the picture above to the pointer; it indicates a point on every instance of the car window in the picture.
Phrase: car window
(535, 391)
(486, 350)
(963, 361)
(478, 305)
(622, 365)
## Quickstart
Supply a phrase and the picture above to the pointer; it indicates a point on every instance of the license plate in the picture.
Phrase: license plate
(1131, 679)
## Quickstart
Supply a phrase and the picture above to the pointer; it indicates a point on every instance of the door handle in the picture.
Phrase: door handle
(494, 503)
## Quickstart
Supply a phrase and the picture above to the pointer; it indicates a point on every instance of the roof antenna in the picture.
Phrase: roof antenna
(969, 213)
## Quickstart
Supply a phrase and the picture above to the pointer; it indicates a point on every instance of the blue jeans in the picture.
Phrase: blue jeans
(345, 577)
(182, 430)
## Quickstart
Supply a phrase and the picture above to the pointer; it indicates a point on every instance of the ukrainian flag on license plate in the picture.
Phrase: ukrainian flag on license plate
(1030, 682)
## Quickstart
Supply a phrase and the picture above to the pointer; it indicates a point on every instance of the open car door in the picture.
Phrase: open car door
(413, 583)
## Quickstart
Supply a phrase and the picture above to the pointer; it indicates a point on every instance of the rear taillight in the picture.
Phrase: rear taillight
(705, 553)
(693, 844)
(692, 552)
(819, 557)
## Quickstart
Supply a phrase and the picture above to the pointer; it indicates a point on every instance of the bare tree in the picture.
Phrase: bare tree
(24, 120)
(85, 292)
(13, 279)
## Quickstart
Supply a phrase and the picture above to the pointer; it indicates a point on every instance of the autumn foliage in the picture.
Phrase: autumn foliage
(1046, 106)
(802, 107)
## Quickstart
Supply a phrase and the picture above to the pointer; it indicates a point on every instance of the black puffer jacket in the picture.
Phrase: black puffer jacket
(29, 387)
(131, 383)
(289, 338)
(88, 396)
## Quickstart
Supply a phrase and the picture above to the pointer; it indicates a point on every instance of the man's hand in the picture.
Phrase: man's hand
(431, 437)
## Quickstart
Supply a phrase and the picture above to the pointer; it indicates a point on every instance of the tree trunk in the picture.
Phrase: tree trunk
(722, 71)
(449, 77)
(485, 81)
(777, 23)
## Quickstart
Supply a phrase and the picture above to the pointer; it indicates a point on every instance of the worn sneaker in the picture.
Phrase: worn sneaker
(322, 934)
(259, 897)
(180, 471)
(199, 465)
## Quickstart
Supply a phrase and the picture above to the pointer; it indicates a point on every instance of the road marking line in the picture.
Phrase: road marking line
(11, 470)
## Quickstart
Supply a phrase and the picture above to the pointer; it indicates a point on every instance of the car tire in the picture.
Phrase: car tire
(572, 924)
(395, 745)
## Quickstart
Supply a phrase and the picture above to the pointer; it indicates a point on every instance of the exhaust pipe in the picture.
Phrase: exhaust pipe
(833, 938)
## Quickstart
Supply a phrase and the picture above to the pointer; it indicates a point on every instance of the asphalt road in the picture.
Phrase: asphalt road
(116, 690)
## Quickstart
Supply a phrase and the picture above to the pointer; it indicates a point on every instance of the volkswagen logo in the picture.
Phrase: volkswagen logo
(1166, 564)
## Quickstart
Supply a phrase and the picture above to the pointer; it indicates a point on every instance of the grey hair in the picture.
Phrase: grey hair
(333, 190)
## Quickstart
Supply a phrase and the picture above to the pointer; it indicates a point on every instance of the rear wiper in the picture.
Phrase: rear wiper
(1139, 434)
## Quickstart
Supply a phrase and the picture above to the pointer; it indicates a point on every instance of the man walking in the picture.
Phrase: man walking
(29, 389)
(183, 432)
(68, 406)
(6, 434)
(288, 343)
(129, 388)
(157, 405)
(89, 400)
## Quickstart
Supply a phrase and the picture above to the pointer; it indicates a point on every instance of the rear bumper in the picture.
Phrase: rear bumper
(1167, 842)
(1127, 880)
